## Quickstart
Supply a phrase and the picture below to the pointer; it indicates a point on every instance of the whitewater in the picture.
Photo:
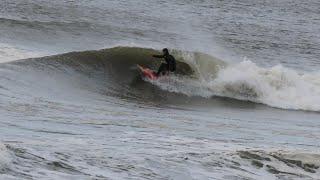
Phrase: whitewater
(243, 103)
(276, 86)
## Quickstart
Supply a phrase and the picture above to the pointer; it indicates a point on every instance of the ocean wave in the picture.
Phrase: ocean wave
(113, 72)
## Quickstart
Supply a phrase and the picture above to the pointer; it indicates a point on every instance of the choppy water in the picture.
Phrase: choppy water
(244, 103)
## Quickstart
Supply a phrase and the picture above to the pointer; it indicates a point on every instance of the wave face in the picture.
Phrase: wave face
(113, 72)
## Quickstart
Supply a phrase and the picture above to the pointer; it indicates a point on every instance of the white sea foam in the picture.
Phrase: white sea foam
(277, 86)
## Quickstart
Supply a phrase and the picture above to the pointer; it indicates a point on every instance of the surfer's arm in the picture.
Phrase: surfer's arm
(158, 56)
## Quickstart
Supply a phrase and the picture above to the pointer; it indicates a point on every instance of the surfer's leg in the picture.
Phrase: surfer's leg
(163, 68)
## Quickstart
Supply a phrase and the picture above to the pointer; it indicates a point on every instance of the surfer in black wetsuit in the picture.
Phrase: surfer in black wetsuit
(170, 64)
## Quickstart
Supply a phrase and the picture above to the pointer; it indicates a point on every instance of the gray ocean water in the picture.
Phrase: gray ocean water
(244, 103)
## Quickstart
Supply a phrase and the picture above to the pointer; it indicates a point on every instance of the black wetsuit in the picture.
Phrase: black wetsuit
(170, 64)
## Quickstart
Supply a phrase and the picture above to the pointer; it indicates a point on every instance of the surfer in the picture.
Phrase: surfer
(170, 64)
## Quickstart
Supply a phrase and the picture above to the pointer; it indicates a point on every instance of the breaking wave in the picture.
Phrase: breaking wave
(276, 86)
(113, 72)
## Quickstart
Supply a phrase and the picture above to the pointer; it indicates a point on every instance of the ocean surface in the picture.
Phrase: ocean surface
(244, 103)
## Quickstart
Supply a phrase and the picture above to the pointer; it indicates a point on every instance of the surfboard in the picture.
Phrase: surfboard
(148, 73)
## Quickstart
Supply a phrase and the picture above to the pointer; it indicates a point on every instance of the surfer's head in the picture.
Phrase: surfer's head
(165, 51)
